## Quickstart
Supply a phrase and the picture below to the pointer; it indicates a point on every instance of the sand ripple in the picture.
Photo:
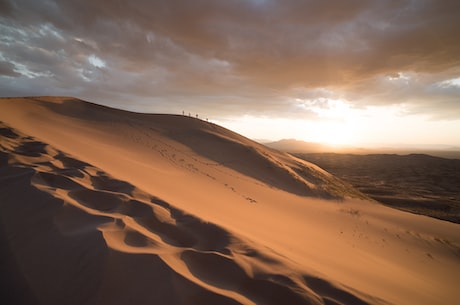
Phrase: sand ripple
(131, 247)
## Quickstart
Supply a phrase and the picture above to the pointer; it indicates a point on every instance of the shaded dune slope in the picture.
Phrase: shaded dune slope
(76, 235)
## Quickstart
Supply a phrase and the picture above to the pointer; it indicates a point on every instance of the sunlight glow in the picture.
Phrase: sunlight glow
(333, 133)
(326, 107)
(326, 132)
(338, 124)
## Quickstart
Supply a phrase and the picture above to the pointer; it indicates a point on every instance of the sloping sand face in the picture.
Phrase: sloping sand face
(80, 236)
(101, 206)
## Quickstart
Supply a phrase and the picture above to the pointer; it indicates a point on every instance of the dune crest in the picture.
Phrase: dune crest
(103, 206)
(202, 142)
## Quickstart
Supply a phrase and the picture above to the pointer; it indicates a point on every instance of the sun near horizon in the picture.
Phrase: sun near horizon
(339, 124)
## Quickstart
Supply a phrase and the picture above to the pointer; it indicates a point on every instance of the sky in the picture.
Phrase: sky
(356, 72)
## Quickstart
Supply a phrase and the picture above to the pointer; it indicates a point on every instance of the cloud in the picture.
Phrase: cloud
(231, 57)
(8, 69)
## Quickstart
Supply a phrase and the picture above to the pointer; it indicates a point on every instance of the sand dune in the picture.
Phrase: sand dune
(101, 206)
(217, 266)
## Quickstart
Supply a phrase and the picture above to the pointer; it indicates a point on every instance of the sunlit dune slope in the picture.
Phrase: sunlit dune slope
(103, 206)
(156, 253)
(153, 132)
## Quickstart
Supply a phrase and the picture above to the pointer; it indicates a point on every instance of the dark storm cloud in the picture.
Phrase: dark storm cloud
(255, 55)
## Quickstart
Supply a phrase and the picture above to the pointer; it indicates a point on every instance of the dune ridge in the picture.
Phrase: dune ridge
(114, 200)
(208, 142)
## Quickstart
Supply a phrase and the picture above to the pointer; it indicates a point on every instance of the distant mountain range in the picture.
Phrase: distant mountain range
(298, 146)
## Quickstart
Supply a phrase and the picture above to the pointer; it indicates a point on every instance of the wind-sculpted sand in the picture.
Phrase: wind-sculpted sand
(101, 206)
(190, 261)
